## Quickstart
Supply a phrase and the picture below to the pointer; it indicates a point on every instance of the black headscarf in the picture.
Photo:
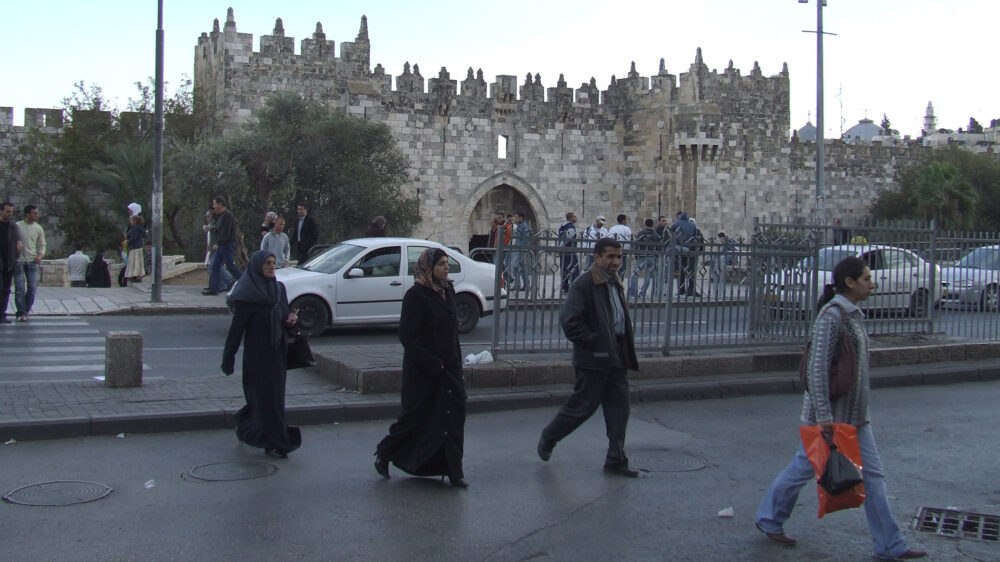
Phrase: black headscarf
(254, 288)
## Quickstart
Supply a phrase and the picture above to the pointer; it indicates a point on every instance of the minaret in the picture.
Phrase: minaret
(930, 122)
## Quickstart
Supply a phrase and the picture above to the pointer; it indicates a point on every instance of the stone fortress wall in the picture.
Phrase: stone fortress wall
(715, 144)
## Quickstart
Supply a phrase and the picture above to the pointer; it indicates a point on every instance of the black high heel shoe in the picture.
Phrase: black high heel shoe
(381, 466)
(458, 482)
(277, 453)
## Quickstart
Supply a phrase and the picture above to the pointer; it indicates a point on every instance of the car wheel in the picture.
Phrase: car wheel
(920, 303)
(313, 316)
(990, 301)
(467, 308)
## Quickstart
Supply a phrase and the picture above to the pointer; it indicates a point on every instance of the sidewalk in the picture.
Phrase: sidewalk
(133, 299)
(370, 374)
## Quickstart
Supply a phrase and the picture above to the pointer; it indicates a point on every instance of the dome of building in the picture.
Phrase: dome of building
(865, 131)
(807, 133)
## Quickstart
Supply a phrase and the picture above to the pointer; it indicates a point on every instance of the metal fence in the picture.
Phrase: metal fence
(758, 292)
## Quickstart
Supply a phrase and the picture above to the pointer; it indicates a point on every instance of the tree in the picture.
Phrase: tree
(958, 188)
(974, 126)
(886, 126)
(940, 192)
(347, 169)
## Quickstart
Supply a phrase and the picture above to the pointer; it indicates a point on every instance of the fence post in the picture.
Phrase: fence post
(934, 280)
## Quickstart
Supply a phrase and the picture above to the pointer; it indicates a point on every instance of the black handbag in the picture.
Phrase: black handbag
(839, 474)
(299, 353)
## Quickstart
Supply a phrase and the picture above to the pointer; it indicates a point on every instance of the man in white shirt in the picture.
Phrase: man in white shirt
(623, 234)
(77, 264)
(26, 276)
(595, 231)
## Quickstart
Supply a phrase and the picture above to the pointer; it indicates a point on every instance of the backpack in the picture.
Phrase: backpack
(646, 242)
(564, 233)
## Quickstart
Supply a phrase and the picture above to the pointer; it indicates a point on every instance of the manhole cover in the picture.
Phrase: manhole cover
(58, 492)
(245, 470)
(958, 524)
(664, 460)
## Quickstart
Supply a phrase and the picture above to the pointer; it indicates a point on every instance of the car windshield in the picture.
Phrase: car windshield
(332, 260)
(828, 258)
(981, 258)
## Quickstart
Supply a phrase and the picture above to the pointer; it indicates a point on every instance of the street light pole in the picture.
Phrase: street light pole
(157, 212)
(820, 161)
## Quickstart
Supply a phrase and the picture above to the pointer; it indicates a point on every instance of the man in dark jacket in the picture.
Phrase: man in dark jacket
(686, 235)
(10, 249)
(224, 227)
(306, 232)
(595, 318)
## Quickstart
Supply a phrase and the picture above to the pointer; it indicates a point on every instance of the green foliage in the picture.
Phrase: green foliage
(957, 188)
(886, 126)
(974, 126)
(100, 162)
(347, 170)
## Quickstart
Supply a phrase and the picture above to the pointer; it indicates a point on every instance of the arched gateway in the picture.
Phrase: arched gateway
(503, 193)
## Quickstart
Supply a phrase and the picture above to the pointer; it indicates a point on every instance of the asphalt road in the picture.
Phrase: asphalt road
(326, 502)
(51, 348)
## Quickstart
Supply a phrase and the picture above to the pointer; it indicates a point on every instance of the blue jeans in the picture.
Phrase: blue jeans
(647, 266)
(222, 256)
(780, 499)
(24, 297)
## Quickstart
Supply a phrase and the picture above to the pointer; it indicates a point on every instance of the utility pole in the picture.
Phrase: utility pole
(157, 213)
(820, 193)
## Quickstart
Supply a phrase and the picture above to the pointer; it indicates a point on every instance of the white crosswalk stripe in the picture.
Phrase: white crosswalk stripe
(65, 347)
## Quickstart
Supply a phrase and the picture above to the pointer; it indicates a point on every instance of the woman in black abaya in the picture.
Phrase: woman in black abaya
(427, 437)
(260, 316)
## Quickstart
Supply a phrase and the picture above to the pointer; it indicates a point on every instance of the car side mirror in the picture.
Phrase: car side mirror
(355, 273)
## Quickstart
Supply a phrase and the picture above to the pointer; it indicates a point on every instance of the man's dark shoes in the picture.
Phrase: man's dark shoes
(545, 448)
(910, 554)
(5, 320)
(621, 469)
(209, 293)
(777, 537)
(381, 466)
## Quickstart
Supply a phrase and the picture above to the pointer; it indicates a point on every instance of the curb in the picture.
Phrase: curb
(720, 387)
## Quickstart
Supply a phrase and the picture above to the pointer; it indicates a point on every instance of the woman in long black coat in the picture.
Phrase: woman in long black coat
(260, 316)
(428, 436)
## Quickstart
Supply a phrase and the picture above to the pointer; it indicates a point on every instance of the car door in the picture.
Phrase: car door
(371, 289)
(880, 297)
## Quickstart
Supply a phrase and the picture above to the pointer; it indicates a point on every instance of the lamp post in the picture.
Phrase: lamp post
(820, 203)
(157, 212)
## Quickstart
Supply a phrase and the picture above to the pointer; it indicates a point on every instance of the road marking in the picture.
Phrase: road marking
(17, 325)
(41, 340)
(49, 351)
(64, 369)
(217, 348)
(26, 332)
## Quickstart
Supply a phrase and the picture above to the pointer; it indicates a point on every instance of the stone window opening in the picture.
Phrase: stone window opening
(502, 147)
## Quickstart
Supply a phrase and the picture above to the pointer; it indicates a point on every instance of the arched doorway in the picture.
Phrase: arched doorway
(504, 199)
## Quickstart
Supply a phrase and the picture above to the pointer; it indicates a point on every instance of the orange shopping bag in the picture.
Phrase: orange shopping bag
(845, 437)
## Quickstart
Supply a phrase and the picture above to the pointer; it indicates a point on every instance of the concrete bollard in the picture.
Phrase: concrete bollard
(123, 359)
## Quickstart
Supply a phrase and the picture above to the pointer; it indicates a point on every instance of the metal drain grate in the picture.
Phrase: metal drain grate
(959, 524)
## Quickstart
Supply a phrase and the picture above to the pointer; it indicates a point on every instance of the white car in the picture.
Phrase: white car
(903, 280)
(362, 281)
(974, 280)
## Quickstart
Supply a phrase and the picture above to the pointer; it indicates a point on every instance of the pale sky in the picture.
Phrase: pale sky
(889, 56)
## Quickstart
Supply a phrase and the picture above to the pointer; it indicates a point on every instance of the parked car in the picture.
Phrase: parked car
(974, 280)
(903, 280)
(362, 281)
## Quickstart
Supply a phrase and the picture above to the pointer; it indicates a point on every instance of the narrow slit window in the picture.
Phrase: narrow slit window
(502, 147)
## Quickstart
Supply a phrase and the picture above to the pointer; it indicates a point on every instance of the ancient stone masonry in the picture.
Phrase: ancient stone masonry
(716, 144)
